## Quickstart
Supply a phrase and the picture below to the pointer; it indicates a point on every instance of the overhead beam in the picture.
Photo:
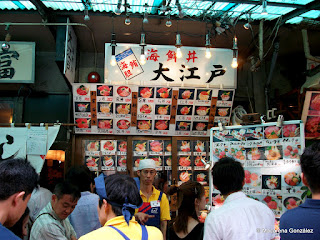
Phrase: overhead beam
(275, 4)
(42, 9)
(156, 5)
(310, 6)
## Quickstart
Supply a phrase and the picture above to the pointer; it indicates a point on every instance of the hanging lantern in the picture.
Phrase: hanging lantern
(93, 77)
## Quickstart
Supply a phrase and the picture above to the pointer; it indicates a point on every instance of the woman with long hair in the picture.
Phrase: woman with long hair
(190, 201)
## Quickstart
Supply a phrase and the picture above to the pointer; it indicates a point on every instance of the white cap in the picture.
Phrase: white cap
(147, 163)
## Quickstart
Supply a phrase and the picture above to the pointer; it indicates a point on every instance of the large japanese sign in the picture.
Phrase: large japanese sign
(17, 63)
(162, 67)
(149, 109)
(70, 54)
(270, 155)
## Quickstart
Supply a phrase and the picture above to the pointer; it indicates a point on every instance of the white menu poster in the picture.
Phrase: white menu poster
(270, 155)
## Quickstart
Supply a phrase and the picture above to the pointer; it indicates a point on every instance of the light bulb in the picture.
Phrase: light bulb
(113, 61)
(127, 21)
(179, 53)
(234, 63)
(246, 26)
(264, 7)
(208, 53)
(145, 20)
(117, 11)
(86, 14)
(142, 59)
(264, 11)
(168, 23)
(5, 46)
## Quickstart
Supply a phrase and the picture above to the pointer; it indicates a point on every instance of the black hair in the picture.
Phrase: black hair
(80, 176)
(228, 175)
(17, 175)
(310, 166)
(186, 193)
(118, 188)
(66, 187)
(17, 227)
(160, 180)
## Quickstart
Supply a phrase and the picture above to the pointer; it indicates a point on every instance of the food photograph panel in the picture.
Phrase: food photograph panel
(311, 114)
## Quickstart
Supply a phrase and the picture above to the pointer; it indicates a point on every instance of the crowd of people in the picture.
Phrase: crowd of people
(133, 209)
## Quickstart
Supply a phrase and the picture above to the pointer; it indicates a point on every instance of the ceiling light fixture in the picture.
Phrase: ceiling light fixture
(86, 13)
(234, 63)
(118, 10)
(6, 46)
(247, 25)
(168, 22)
(264, 7)
(178, 45)
(143, 44)
(145, 16)
(181, 13)
(113, 45)
(208, 45)
(127, 21)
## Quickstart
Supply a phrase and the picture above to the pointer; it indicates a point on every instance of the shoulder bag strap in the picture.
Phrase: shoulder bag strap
(120, 232)
(144, 232)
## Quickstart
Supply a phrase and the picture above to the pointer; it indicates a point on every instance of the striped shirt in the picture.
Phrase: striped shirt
(48, 226)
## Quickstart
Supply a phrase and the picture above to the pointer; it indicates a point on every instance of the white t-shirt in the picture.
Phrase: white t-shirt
(240, 218)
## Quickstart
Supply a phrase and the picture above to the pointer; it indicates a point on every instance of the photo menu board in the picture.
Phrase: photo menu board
(271, 158)
(149, 110)
(158, 150)
(192, 157)
(110, 155)
(311, 114)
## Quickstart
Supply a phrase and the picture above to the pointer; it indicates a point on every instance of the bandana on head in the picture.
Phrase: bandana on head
(101, 190)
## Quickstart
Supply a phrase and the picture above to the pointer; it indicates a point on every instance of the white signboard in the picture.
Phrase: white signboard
(17, 63)
(270, 155)
(70, 55)
(162, 67)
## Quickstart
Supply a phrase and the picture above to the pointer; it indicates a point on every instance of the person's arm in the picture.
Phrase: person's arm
(70, 230)
(143, 217)
(52, 232)
(163, 228)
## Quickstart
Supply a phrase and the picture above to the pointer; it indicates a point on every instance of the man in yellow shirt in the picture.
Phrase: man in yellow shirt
(118, 199)
(155, 209)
